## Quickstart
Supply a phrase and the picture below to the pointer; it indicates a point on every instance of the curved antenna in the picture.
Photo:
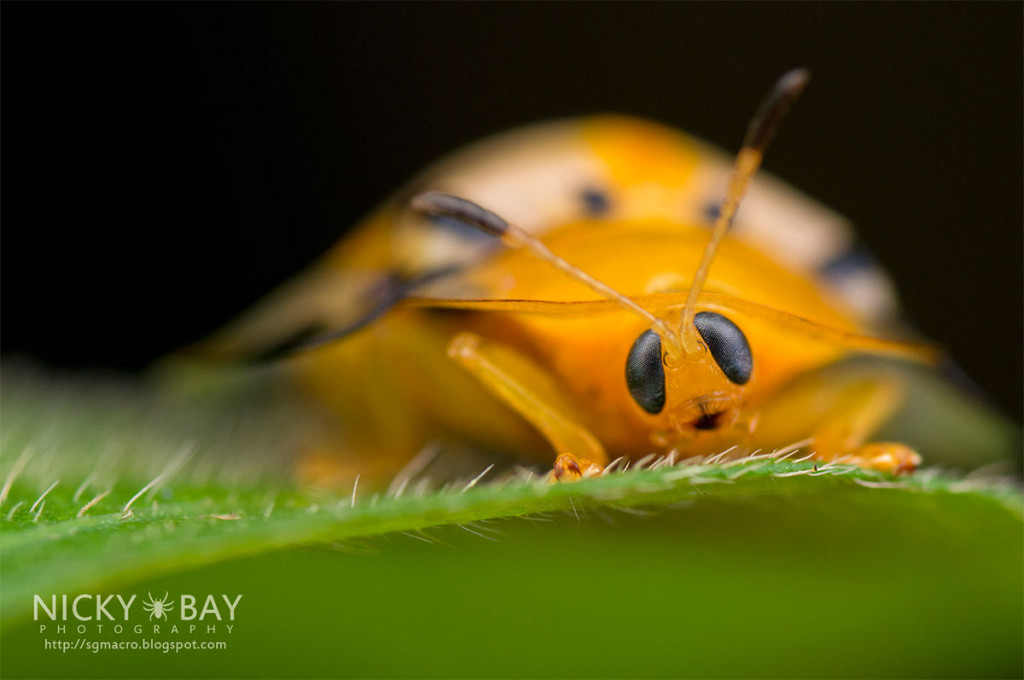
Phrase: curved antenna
(922, 352)
(446, 205)
(760, 132)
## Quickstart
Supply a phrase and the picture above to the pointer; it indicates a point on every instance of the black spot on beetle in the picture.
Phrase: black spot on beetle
(711, 212)
(854, 260)
(595, 202)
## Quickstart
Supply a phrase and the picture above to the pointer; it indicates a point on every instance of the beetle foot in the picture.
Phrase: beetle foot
(897, 459)
(569, 468)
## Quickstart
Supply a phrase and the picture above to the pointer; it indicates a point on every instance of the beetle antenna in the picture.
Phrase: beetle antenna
(760, 132)
(445, 205)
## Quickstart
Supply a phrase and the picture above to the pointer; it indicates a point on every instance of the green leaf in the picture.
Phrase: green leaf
(112, 490)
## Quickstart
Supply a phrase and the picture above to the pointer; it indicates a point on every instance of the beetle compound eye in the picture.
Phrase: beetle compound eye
(645, 374)
(727, 345)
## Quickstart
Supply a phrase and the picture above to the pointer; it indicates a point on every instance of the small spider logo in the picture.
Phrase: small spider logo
(158, 608)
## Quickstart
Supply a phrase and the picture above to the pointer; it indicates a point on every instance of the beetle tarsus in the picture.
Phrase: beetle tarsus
(569, 468)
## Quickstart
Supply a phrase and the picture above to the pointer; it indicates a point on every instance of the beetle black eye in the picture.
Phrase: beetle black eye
(595, 202)
(727, 345)
(645, 374)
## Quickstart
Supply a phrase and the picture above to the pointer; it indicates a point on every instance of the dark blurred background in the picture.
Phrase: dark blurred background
(163, 166)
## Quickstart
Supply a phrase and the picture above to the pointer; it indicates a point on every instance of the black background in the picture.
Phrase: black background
(165, 165)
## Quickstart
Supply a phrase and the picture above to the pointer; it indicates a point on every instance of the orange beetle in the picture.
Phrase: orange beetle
(606, 302)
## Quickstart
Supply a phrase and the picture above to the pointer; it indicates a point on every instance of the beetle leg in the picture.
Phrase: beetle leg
(858, 413)
(530, 392)
(841, 409)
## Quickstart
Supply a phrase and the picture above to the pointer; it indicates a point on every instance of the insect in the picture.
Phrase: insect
(584, 290)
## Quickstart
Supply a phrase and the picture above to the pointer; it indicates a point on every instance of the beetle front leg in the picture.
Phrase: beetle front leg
(530, 391)
(863, 408)
(841, 408)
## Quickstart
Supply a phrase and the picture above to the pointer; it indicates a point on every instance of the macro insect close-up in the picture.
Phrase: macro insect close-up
(511, 340)
(604, 295)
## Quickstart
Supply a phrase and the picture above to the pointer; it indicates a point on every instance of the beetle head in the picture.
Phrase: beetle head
(690, 375)
(696, 391)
